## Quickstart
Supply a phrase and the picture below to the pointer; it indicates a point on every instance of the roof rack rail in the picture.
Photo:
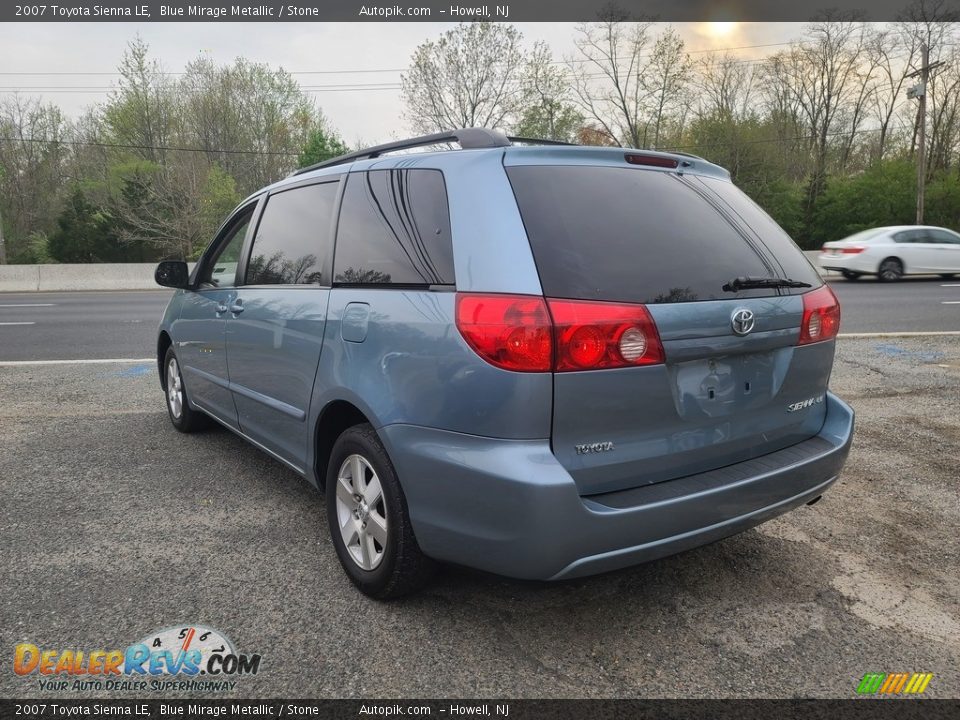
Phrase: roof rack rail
(468, 138)
(539, 141)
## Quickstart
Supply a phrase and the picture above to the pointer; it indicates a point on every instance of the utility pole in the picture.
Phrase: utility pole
(920, 91)
(3, 248)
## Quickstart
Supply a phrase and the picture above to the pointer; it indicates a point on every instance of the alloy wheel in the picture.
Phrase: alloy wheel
(361, 512)
(174, 389)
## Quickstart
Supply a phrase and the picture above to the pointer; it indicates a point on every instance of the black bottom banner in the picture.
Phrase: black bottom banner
(860, 709)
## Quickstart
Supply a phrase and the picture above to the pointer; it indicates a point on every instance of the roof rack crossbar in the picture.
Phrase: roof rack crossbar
(468, 138)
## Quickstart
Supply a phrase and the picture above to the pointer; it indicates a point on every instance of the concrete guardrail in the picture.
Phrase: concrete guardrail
(103, 276)
(93, 276)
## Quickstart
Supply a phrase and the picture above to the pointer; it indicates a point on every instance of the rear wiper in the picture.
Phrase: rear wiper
(750, 283)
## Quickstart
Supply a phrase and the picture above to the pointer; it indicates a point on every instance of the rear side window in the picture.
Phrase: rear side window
(942, 236)
(292, 245)
(394, 229)
(608, 233)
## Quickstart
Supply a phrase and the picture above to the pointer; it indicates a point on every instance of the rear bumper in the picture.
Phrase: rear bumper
(508, 506)
(847, 263)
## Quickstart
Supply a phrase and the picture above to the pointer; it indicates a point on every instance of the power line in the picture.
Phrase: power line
(103, 91)
(372, 70)
(116, 73)
(837, 133)
(126, 146)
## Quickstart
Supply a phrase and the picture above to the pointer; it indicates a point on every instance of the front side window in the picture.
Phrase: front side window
(909, 236)
(220, 270)
(394, 230)
(292, 245)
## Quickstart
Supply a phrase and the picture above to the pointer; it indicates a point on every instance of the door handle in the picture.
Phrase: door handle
(237, 306)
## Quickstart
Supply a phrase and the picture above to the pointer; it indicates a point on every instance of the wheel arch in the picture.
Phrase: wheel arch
(163, 344)
(899, 259)
(336, 417)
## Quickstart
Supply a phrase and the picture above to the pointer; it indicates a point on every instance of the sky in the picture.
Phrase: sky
(319, 54)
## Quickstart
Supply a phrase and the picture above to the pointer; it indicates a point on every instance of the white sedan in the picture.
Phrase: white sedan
(892, 252)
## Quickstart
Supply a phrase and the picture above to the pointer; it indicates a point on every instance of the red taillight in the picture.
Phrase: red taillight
(852, 250)
(651, 160)
(596, 335)
(821, 316)
(518, 332)
(510, 331)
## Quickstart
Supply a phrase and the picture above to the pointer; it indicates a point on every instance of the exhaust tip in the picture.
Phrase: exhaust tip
(815, 500)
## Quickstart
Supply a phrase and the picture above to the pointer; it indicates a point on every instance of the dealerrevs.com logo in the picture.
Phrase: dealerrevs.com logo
(187, 658)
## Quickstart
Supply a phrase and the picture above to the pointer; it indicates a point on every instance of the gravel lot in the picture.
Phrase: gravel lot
(113, 525)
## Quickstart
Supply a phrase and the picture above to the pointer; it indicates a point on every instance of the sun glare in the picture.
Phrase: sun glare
(721, 29)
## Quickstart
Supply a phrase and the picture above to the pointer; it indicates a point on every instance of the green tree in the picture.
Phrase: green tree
(84, 233)
(943, 201)
(547, 109)
(142, 113)
(322, 144)
(885, 194)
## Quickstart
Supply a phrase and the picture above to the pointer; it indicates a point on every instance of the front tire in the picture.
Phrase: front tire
(891, 270)
(368, 518)
(182, 416)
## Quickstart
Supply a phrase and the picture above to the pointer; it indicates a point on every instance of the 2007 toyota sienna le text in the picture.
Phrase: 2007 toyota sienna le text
(538, 360)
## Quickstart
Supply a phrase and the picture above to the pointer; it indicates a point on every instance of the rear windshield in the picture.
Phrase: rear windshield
(623, 234)
(794, 263)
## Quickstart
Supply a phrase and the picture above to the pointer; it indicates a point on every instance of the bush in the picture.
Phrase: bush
(884, 194)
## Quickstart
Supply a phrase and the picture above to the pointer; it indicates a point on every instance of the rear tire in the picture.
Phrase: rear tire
(850, 275)
(368, 518)
(891, 270)
(182, 416)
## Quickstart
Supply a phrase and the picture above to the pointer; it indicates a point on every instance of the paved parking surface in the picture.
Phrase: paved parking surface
(113, 525)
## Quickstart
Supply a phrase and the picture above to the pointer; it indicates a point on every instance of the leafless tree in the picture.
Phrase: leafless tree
(469, 77)
(725, 86)
(607, 74)
(665, 80)
(820, 76)
(33, 153)
(891, 56)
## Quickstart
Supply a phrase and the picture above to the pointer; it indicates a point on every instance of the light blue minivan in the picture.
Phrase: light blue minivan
(539, 360)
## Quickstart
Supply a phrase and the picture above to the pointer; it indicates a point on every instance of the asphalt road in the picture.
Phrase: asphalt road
(918, 304)
(75, 325)
(113, 525)
(54, 326)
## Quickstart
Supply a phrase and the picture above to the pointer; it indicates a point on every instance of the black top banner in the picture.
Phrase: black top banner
(447, 11)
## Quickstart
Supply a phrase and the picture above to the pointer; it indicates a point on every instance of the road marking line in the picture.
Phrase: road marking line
(950, 302)
(29, 305)
(17, 323)
(933, 333)
(951, 285)
(105, 361)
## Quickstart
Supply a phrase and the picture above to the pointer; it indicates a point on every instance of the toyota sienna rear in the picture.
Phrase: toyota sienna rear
(541, 361)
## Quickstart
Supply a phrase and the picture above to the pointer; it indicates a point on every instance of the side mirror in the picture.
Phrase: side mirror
(172, 273)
